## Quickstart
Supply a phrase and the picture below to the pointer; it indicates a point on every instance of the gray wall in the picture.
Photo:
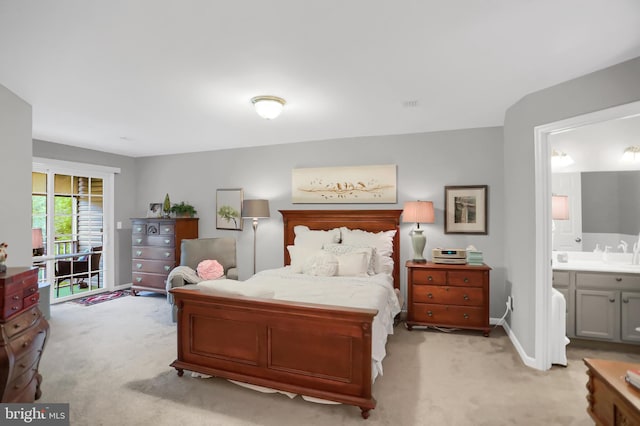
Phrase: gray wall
(611, 202)
(124, 191)
(425, 164)
(603, 89)
(15, 164)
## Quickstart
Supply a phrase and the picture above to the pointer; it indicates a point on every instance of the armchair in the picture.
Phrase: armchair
(192, 252)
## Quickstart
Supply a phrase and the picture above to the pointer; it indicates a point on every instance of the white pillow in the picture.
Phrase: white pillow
(352, 264)
(313, 238)
(340, 249)
(299, 256)
(322, 264)
(381, 241)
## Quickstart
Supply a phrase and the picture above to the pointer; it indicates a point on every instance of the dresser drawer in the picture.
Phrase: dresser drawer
(22, 322)
(467, 296)
(157, 281)
(139, 229)
(167, 229)
(155, 266)
(28, 361)
(30, 300)
(33, 340)
(154, 253)
(454, 316)
(422, 276)
(28, 393)
(154, 240)
(466, 278)
(12, 303)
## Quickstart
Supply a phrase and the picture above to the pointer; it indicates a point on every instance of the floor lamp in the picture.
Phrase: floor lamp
(255, 209)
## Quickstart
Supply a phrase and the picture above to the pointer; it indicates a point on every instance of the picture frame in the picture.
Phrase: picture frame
(155, 210)
(466, 209)
(229, 209)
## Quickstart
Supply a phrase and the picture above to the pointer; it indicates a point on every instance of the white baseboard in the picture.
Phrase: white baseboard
(526, 359)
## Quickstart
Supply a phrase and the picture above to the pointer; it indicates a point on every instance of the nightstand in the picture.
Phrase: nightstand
(443, 295)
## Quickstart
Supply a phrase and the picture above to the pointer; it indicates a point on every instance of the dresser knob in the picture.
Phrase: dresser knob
(429, 278)
(612, 299)
(466, 280)
(465, 297)
(33, 299)
(167, 267)
(625, 300)
(16, 326)
(14, 308)
(465, 316)
(15, 298)
(26, 343)
(430, 296)
(167, 241)
(138, 229)
(138, 265)
(139, 240)
(167, 254)
(22, 365)
(430, 313)
(138, 279)
(139, 253)
(167, 229)
(32, 290)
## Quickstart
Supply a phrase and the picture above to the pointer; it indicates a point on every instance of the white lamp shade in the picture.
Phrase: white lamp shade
(255, 209)
(560, 207)
(418, 212)
(268, 107)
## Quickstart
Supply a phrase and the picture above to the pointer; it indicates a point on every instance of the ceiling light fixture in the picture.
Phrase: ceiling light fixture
(560, 159)
(631, 154)
(268, 107)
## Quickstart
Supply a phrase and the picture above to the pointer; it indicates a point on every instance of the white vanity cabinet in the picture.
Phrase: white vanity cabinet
(607, 306)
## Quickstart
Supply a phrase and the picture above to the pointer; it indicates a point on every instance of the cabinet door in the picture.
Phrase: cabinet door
(630, 316)
(597, 314)
(568, 319)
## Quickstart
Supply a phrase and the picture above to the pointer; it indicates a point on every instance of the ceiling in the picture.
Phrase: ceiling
(154, 77)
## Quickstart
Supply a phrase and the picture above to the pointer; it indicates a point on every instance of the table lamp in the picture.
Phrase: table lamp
(418, 212)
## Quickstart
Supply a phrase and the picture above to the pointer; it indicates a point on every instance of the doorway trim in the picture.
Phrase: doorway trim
(543, 269)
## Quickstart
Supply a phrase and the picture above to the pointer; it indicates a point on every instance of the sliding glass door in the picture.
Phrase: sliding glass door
(70, 206)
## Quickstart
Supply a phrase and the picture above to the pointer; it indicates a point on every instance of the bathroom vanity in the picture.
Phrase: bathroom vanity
(603, 299)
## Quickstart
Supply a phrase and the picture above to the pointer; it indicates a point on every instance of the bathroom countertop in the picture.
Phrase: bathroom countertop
(594, 262)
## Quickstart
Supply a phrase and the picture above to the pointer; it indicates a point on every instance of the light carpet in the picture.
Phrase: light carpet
(110, 361)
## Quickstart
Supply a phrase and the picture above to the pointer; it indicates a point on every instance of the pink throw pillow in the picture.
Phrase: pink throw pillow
(210, 270)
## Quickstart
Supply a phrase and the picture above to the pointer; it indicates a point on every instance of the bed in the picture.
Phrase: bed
(315, 350)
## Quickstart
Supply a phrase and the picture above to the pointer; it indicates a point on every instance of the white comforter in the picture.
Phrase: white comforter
(372, 292)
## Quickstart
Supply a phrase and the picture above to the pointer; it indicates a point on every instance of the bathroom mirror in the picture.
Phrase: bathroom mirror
(603, 190)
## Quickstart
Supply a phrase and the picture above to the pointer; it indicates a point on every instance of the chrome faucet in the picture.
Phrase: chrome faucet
(623, 246)
(635, 260)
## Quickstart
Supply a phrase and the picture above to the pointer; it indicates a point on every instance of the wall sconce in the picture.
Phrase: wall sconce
(418, 212)
(37, 243)
(255, 209)
(560, 159)
(268, 107)
(631, 154)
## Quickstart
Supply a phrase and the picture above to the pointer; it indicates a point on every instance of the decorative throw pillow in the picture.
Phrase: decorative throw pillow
(382, 242)
(322, 264)
(352, 264)
(340, 249)
(210, 270)
(299, 256)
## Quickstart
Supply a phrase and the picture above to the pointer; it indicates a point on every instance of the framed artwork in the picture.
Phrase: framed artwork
(229, 209)
(358, 184)
(155, 210)
(465, 209)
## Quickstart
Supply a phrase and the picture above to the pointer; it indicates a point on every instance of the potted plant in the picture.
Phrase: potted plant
(183, 210)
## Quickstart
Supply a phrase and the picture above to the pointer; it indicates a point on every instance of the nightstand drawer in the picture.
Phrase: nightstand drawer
(466, 278)
(456, 316)
(421, 276)
(467, 296)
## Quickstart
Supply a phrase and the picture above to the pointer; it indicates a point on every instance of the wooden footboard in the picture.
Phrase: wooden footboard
(314, 350)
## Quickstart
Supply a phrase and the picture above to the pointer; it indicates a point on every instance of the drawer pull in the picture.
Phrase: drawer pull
(466, 280)
(32, 290)
(14, 308)
(138, 279)
(465, 297)
(138, 240)
(612, 299)
(465, 316)
(139, 253)
(618, 279)
(33, 299)
(625, 300)
(26, 343)
(430, 278)
(167, 254)
(167, 267)
(139, 229)
(430, 313)
(430, 296)
(22, 365)
(138, 265)
(15, 298)
(16, 326)
(167, 241)
(167, 229)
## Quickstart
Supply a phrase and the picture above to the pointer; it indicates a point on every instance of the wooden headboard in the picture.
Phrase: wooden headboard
(367, 220)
